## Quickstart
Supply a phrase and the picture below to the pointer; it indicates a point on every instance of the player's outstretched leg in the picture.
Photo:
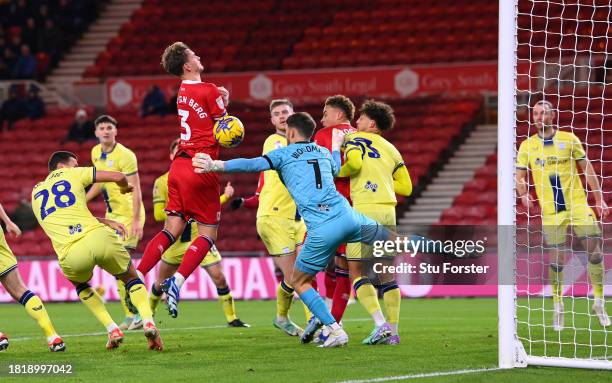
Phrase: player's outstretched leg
(367, 296)
(191, 260)
(158, 245)
(123, 300)
(333, 335)
(139, 297)
(284, 298)
(93, 301)
(392, 299)
(35, 308)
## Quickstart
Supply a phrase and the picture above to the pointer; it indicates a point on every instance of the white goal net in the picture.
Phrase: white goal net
(561, 99)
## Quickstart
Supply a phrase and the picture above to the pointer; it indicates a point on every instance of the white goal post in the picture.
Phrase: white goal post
(519, 309)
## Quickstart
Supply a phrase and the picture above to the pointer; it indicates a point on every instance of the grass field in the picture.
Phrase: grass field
(438, 335)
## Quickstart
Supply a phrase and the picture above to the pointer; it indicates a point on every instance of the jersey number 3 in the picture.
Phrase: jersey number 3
(59, 189)
(184, 115)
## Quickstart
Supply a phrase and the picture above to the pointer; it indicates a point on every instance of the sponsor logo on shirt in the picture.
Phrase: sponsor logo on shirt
(371, 186)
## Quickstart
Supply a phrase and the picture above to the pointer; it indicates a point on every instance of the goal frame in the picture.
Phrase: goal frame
(511, 352)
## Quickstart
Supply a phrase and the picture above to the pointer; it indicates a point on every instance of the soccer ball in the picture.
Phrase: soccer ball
(229, 131)
(4, 343)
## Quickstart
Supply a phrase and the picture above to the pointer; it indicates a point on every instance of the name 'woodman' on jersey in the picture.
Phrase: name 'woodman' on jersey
(197, 118)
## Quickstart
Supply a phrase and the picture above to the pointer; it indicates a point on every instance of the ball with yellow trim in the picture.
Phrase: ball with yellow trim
(229, 131)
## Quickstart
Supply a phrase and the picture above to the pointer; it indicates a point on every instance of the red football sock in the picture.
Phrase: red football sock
(342, 294)
(330, 284)
(194, 255)
(154, 250)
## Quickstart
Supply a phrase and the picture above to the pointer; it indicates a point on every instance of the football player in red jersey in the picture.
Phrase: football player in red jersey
(191, 196)
(338, 112)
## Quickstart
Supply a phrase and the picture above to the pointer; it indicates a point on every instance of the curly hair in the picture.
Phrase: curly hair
(380, 112)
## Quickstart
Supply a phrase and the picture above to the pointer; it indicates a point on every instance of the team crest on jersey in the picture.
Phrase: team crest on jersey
(371, 186)
(220, 103)
(110, 162)
(561, 145)
(540, 162)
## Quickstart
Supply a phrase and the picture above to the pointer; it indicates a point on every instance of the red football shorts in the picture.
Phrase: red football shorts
(191, 195)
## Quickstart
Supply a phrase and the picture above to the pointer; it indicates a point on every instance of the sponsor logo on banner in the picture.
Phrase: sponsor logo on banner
(304, 85)
(260, 87)
(406, 82)
(121, 93)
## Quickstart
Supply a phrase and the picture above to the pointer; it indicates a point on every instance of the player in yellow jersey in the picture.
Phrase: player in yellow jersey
(551, 157)
(172, 257)
(279, 225)
(82, 241)
(377, 172)
(127, 209)
(13, 284)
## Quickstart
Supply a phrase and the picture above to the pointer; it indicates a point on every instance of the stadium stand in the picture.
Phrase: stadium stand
(270, 35)
(47, 29)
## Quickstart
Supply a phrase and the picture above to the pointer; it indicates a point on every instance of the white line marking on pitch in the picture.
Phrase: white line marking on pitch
(424, 375)
(161, 328)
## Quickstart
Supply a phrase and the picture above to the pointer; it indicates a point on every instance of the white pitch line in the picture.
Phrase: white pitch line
(419, 376)
(161, 328)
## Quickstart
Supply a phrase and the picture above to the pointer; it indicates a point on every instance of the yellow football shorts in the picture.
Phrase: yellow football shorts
(99, 247)
(280, 235)
(174, 255)
(8, 262)
(582, 220)
(130, 242)
(381, 213)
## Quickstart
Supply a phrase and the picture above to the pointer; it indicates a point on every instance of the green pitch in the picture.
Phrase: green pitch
(438, 335)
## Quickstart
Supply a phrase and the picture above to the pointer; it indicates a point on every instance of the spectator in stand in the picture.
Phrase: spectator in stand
(29, 34)
(82, 129)
(25, 67)
(171, 106)
(12, 109)
(34, 107)
(23, 216)
(49, 40)
(153, 103)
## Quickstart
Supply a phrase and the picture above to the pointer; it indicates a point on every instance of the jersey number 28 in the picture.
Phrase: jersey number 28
(59, 189)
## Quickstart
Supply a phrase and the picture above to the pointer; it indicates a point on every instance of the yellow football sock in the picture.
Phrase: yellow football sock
(121, 291)
(154, 298)
(227, 303)
(36, 309)
(284, 298)
(596, 272)
(307, 312)
(392, 299)
(94, 303)
(140, 299)
(367, 296)
(556, 281)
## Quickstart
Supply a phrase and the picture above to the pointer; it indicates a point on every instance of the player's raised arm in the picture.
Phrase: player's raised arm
(119, 178)
(593, 182)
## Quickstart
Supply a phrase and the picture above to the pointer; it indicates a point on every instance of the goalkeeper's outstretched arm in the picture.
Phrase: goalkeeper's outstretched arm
(204, 164)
